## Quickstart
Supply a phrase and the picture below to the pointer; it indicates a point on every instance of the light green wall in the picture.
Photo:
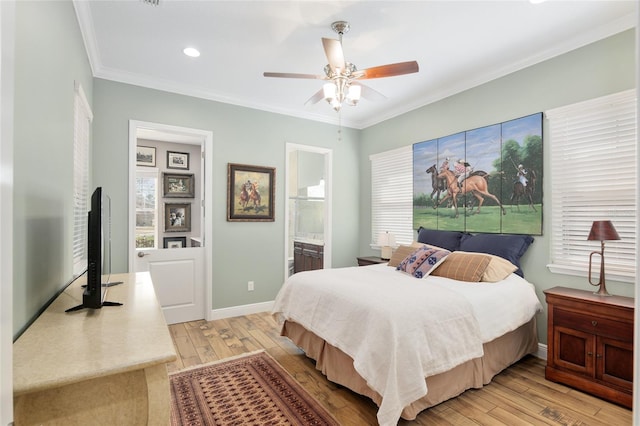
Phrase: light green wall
(242, 251)
(49, 56)
(592, 71)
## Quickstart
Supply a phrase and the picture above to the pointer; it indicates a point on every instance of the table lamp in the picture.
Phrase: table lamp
(386, 241)
(601, 230)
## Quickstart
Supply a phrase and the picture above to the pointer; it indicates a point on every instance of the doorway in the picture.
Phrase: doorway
(168, 201)
(308, 176)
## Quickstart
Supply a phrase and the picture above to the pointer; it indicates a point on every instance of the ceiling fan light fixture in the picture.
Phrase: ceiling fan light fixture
(341, 76)
(353, 94)
(332, 95)
(330, 91)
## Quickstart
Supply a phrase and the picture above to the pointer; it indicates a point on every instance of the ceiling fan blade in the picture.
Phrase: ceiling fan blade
(369, 93)
(335, 55)
(388, 70)
(294, 75)
(317, 97)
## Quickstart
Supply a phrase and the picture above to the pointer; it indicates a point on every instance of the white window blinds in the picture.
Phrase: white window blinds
(81, 136)
(391, 194)
(593, 176)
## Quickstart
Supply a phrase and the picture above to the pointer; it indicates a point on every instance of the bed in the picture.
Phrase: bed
(446, 314)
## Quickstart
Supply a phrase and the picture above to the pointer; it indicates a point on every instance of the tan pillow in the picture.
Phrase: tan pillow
(463, 266)
(498, 269)
(400, 253)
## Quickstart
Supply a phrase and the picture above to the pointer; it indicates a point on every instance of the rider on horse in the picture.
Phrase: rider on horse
(521, 175)
(462, 169)
(445, 165)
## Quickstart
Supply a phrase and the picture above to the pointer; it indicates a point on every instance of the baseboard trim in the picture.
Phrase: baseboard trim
(236, 311)
(542, 351)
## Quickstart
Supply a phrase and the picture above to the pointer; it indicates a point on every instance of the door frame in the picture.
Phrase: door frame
(7, 62)
(194, 137)
(328, 195)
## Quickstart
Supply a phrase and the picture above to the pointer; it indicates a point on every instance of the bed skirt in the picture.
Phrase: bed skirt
(498, 355)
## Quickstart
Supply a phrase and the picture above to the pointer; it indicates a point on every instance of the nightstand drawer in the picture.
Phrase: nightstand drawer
(593, 324)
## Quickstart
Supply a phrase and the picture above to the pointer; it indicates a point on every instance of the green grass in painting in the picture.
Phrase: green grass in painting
(490, 219)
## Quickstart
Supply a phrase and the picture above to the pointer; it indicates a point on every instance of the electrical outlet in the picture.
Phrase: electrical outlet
(250, 286)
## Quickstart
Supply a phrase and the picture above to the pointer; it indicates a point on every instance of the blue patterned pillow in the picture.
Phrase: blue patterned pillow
(421, 262)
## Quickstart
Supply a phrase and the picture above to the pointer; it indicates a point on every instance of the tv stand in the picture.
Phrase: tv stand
(109, 284)
(88, 375)
(105, 303)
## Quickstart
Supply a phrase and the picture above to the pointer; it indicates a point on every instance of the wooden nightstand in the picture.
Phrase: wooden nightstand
(370, 260)
(590, 343)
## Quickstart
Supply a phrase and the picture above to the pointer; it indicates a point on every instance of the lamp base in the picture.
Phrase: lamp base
(601, 292)
(386, 252)
(602, 287)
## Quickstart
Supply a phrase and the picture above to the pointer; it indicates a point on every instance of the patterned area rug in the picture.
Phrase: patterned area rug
(251, 389)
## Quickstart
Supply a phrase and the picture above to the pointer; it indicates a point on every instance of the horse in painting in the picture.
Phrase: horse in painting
(476, 184)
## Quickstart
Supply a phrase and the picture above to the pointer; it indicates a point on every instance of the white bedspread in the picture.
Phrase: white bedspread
(399, 329)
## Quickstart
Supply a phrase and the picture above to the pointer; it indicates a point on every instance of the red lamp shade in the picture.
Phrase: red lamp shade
(603, 230)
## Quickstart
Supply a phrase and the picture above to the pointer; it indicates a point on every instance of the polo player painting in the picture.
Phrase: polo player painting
(250, 193)
(482, 180)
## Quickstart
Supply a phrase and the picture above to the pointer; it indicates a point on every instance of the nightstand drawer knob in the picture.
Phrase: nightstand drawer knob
(590, 353)
(594, 323)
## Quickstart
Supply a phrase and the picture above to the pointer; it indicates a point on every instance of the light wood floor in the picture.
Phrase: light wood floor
(519, 395)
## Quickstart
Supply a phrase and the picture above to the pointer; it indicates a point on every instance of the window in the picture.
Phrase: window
(593, 175)
(146, 209)
(81, 137)
(391, 194)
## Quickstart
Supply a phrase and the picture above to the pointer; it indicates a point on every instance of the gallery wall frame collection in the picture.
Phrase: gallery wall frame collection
(175, 185)
(177, 215)
(250, 193)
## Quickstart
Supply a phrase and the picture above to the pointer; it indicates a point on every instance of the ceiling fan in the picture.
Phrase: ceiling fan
(343, 76)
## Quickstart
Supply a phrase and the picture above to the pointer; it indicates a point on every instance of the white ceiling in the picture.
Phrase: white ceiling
(457, 44)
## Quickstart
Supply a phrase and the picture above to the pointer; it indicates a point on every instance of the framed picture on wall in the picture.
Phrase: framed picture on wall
(250, 193)
(174, 242)
(177, 160)
(145, 156)
(177, 185)
(177, 217)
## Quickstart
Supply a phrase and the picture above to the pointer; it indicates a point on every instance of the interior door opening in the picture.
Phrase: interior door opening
(308, 208)
(168, 205)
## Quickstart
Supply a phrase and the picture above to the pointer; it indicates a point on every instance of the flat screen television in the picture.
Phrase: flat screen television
(98, 254)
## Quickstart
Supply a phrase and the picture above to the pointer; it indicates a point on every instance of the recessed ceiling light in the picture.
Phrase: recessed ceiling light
(191, 51)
